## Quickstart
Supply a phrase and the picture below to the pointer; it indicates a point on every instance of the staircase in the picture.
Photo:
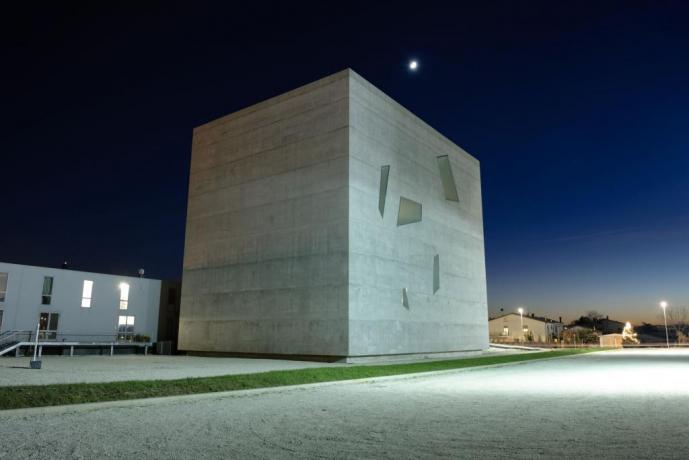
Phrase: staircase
(9, 340)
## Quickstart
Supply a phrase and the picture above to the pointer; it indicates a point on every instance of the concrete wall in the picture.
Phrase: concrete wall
(286, 251)
(22, 305)
(385, 258)
(265, 260)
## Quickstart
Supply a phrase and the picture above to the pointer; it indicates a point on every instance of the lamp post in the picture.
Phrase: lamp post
(521, 320)
(663, 305)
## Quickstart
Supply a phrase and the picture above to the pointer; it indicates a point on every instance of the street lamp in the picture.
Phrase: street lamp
(663, 305)
(521, 320)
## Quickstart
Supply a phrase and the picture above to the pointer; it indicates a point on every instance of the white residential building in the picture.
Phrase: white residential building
(528, 328)
(70, 305)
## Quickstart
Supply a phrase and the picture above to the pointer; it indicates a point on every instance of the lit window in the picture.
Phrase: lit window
(446, 177)
(409, 212)
(525, 328)
(505, 330)
(124, 296)
(125, 321)
(47, 290)
(86, 294)
(384, 173)
(125, 327)
(3, 286)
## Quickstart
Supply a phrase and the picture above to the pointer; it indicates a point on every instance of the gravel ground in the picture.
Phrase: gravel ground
(64, 369)
(89, 368)
(626, 404)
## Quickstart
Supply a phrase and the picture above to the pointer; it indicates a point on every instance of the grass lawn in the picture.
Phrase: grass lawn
(16, 397)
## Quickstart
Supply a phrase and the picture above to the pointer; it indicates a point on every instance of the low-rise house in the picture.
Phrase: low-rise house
(74, 306)
(611, 340)
(610, 326)
(529, 328)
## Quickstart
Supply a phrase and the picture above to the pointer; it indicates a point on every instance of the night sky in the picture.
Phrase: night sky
(578, 113)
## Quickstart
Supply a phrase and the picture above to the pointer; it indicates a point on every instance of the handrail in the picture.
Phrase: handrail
(14, 336)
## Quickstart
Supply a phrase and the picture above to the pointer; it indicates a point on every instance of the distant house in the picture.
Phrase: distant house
(610, 326)
(511, 328)
(611, 340)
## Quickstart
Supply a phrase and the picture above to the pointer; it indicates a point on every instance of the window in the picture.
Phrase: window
(384, 173)
(525, 328)
(125, 327)
(124, 296)
(409, 212)
(436, 273)
(47, 290)
(47, 325)
(446, 177)
(0, 320)
(405, 299)
(505, 330)
(3, 286)
(86, 294)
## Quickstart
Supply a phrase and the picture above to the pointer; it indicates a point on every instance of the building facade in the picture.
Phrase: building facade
(330, 221)
(529, 328)
(70, 305)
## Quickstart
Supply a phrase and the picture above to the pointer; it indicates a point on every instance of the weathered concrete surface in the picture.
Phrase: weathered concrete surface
(385, 258)
(607, 405)
(287, 253)
(265, 264)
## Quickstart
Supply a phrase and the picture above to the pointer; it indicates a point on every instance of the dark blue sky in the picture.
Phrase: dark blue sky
(578, 113)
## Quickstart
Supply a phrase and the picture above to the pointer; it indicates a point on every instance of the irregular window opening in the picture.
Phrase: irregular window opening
(409, 212)
(436, 273)
(384, 173)
(448, 180)
(405, 299)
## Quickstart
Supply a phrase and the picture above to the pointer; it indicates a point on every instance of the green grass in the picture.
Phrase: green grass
(16, 397)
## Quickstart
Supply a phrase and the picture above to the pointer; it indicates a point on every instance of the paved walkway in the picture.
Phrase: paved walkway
(630, 404)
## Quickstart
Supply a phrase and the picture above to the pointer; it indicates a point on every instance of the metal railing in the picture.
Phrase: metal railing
(52, 336)
(12, 337)
(9, 338)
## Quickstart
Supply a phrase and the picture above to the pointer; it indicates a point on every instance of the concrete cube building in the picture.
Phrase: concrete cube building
(330, 222)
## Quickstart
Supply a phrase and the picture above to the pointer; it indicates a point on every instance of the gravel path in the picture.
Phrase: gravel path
(89, 368)
(631, 404)
(63, 369)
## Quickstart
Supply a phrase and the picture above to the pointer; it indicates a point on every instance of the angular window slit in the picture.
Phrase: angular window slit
(409, 212)
(446, 177)
(436, 273)
(405, 299)
(384, 173)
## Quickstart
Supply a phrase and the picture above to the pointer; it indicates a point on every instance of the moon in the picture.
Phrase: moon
(413, 65)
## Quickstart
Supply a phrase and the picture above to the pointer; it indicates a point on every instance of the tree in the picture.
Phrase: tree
(628, 334)
(594, 317)
(678, 321)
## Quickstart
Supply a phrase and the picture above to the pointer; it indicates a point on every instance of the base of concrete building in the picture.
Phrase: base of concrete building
(229, 354)
(372, 359)
(410, 357)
